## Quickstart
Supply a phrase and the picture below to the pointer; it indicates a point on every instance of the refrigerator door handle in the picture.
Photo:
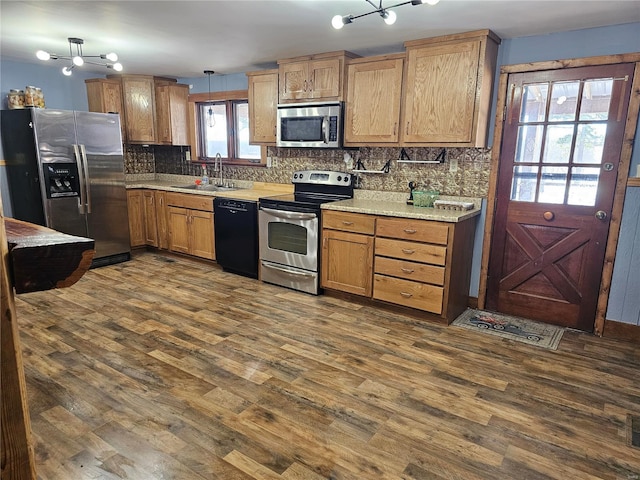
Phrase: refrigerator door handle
(87, 179)
(83, 199)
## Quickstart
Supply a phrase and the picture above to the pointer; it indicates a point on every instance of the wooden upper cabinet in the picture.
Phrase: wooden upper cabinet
(372, 112)
(171, 112)
(139, 108)
(313, 77)
(263, 101)
(105, 96)
(448, 83)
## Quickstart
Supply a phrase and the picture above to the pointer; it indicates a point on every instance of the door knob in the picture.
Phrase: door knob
(548, 216)
(601, 215)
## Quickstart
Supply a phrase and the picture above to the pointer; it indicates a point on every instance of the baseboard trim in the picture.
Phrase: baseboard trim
(621, 331)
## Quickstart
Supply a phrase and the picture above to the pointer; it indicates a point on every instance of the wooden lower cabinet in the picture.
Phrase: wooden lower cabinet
(150, 222)
(191, 230)
(421, 264)
(161, 219)
(135, 207)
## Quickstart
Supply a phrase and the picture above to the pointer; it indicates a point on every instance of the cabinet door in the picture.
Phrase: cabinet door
(139, 108)
(135, 207)
(178, 107)
(294, 80)
(178, 229)
(347, 262)
(440, 93)
(151, 230)
(105, 96)
(163, 114)
(161, 219)
(373, 102)
(324, 78)
(263, 100)
(202, 235)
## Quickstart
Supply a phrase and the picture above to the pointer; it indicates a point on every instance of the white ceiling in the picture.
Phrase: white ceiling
(181, 38)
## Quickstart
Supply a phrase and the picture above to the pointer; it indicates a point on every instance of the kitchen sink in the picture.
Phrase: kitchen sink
(206, 188)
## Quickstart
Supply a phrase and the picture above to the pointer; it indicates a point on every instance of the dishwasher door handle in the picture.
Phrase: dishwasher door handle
(289, 215)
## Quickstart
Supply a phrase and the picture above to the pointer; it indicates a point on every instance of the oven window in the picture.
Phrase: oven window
(288, 237)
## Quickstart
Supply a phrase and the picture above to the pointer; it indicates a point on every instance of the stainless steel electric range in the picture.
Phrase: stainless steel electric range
(289, 228)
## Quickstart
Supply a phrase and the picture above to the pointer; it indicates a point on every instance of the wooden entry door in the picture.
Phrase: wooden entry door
(562, 140)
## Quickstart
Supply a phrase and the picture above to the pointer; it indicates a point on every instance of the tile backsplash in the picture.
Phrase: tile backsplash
(465, 171)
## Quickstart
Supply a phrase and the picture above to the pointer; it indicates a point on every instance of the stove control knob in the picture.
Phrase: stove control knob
(339, 178)
(346, 179)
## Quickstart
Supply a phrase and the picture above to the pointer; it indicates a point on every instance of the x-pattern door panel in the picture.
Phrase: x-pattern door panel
(561, 145)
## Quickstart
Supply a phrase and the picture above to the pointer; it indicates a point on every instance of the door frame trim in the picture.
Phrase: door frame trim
(621, 182)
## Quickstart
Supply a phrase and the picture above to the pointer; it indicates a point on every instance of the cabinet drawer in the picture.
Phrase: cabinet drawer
(412, 251)
(414, 230)
(411, 294)
(349, 222)
(417, 272)
(193, 202)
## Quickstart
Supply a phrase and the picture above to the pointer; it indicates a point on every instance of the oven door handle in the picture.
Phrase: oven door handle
(273, 266)
(289, 215)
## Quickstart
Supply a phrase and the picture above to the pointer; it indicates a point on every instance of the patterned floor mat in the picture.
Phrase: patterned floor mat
(515, 328)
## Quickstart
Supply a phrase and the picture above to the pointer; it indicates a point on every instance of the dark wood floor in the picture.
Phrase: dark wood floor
(166, 368)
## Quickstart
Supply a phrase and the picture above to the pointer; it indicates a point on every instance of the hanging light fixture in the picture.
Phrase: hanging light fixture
(77, 58)
(387, 15)
(211, 119)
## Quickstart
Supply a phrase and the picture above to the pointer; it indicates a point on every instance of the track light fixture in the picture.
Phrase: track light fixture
(387, 15)
(110, 60)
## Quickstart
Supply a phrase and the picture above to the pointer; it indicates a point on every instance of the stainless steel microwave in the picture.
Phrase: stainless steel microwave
(309, 125)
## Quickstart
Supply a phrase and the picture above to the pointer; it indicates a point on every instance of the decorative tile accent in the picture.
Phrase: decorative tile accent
(465, 171)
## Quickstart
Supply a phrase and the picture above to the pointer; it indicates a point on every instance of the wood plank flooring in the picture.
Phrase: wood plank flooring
(167, 368)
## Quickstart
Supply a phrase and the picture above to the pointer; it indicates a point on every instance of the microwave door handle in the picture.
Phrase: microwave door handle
(325, 129)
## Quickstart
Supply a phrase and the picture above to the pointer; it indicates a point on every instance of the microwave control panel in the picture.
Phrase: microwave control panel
(333, 128)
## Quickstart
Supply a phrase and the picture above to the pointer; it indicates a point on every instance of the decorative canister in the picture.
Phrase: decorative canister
(30, 95)
(39, 100)
(15, 99)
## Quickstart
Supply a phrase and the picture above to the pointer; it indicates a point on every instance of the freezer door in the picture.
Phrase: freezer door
(100, 143)
(55, 134)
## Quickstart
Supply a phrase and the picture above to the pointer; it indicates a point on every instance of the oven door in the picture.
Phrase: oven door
(289, 238)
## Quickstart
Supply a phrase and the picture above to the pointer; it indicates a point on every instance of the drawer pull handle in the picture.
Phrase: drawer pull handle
(407, 270)
(407, 230)
(408, 251)
(406, 294)
(347, 223)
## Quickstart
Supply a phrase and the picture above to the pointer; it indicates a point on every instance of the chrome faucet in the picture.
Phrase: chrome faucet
(217, 164)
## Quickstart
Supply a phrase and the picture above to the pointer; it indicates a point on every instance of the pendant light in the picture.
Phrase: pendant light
(211, 119)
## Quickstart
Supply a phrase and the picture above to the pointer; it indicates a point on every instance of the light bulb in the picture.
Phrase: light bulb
(211, 118)
(117, 67)
(42, 55)
(389, 17)
(78, 61)
(67, 71)
(112, 57)
(337, 22)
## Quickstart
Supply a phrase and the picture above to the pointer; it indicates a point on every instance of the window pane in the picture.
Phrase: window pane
(523, 186)
(564, 100)
(534, 102)
(583, 186)
(214, 128)
(529, 143)
(553, 184)
(590, 143)
(243, 149)
(557, 148)
(596, 98)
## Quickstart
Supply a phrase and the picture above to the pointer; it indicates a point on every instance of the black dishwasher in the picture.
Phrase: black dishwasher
(236, 234)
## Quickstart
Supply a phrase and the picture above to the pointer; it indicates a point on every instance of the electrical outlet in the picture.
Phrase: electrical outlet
(269, 160)
(187, 155)
(453, 165)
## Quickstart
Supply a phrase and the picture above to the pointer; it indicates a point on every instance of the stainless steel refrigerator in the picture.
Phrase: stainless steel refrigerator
(65, 170)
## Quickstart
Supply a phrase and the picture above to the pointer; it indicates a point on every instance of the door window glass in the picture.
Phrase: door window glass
(564, 101)
(557, 148)
(525, 181)
(583, 186)
(534, 102)
(590, 143)
(596, 98)
(529, 143)
(553, 183)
